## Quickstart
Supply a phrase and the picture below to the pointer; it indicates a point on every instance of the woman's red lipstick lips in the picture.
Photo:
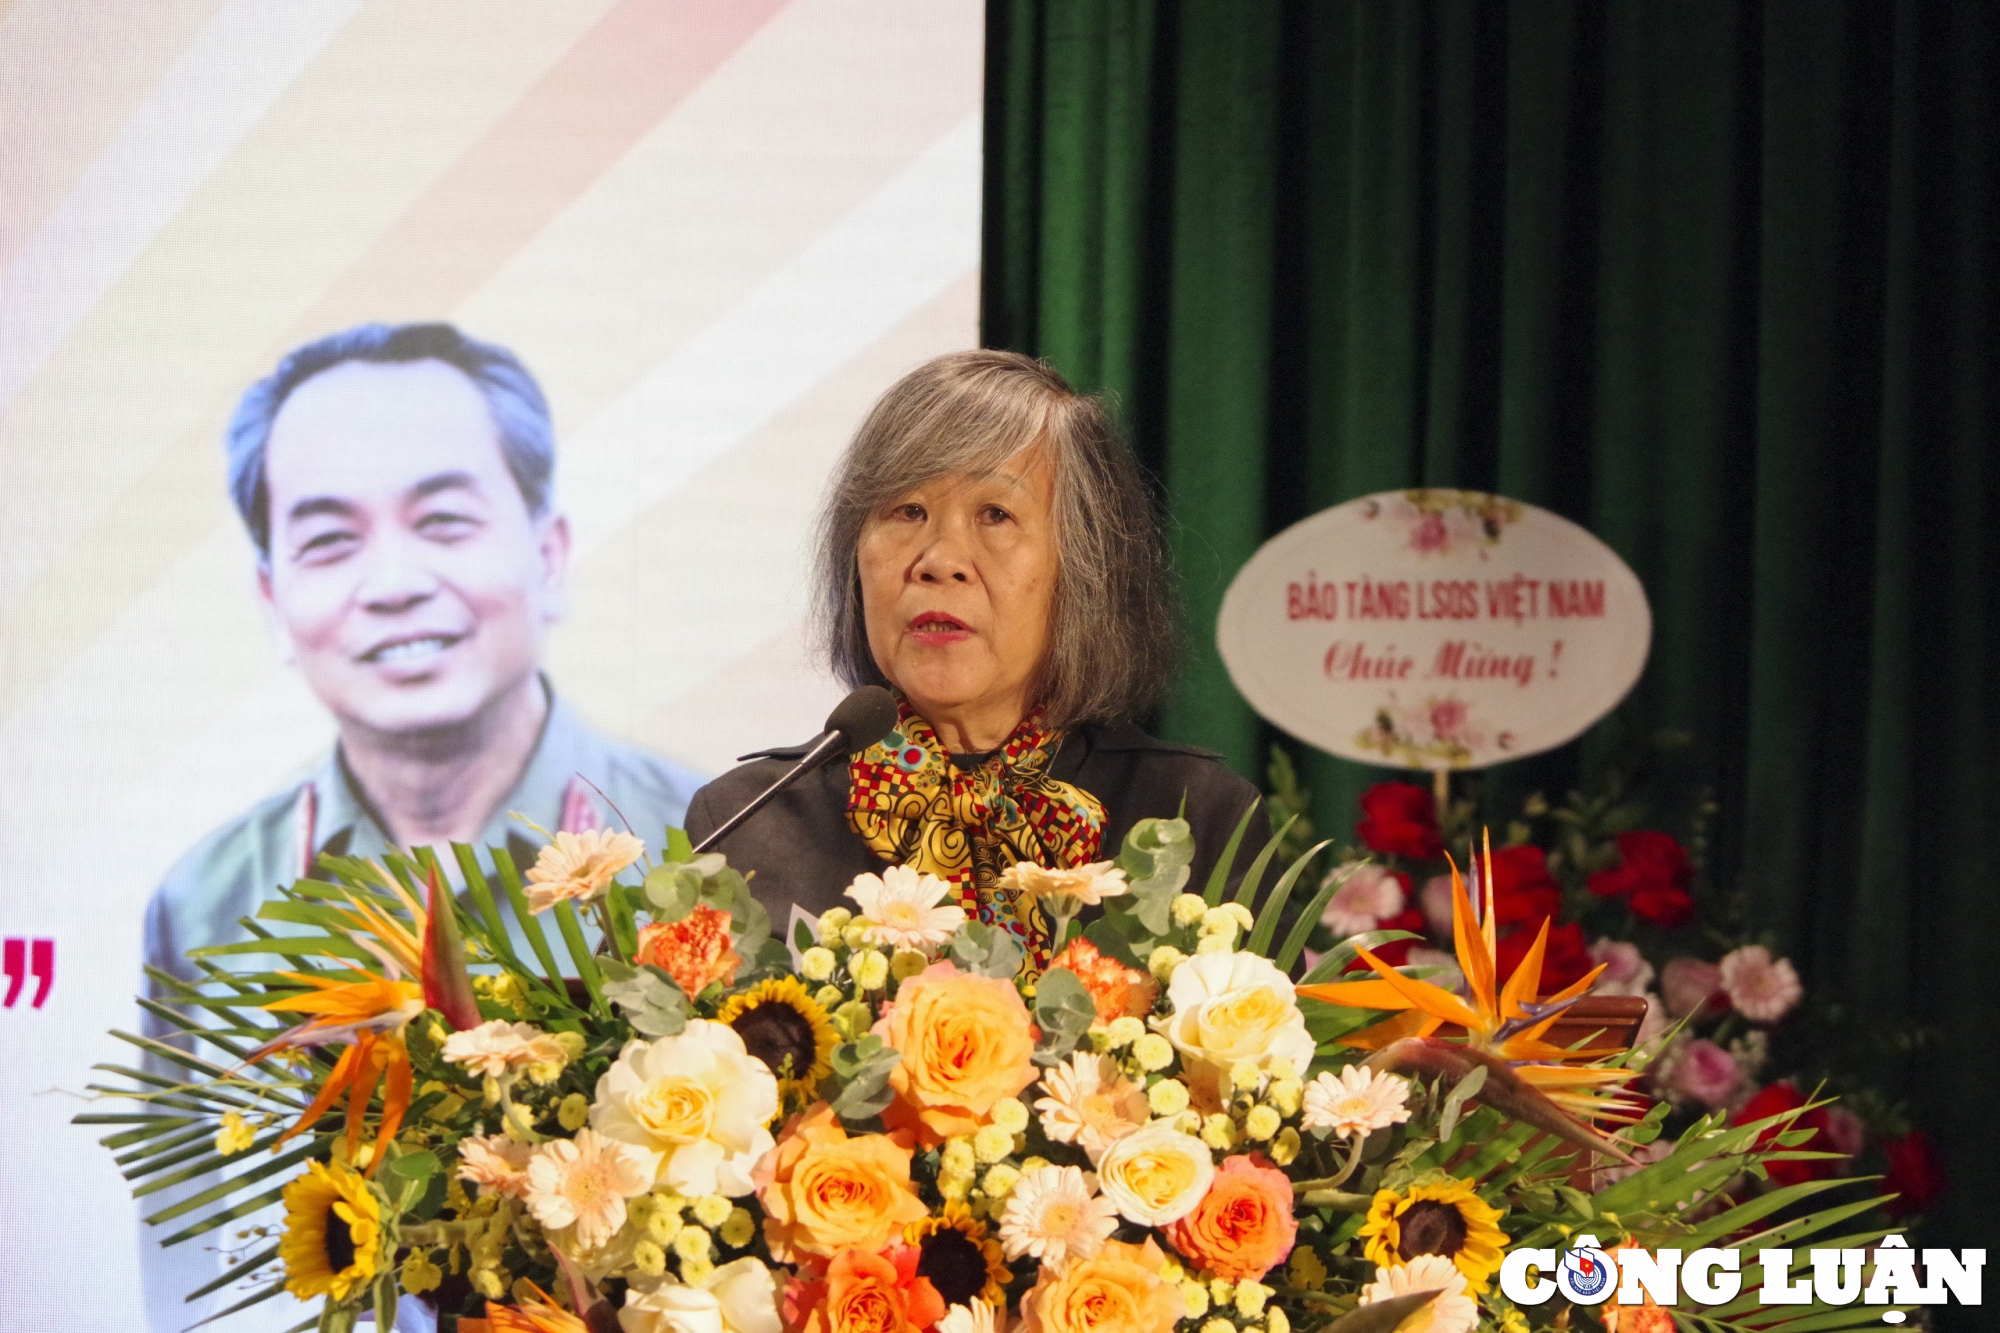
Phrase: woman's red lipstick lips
(937, 627)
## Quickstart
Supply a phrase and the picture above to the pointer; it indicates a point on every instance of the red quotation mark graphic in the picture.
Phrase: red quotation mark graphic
(21, 959)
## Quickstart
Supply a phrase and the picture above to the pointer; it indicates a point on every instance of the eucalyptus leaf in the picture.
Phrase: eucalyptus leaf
(1064, 1011)
(987, 950)
(650, 1001)
(862, 1069)
(1156, 858)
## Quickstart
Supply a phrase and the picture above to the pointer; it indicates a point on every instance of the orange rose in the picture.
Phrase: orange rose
(966, 1042)
(695, 950)
(867, 1293)
(1243, 1227)
(1122, 1290)
(1118, 991)
(824, 1190)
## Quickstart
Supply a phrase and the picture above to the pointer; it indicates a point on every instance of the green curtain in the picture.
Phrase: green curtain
(1714, 279)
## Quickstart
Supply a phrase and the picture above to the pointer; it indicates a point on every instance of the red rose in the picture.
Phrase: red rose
(1914, 1173)
(1644, 857)
(1524, 894)
(1566, 958)
(1399, 819)
(1662, 905)
(1775, 1099)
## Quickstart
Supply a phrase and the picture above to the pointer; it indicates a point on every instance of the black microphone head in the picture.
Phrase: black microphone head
(863, 717)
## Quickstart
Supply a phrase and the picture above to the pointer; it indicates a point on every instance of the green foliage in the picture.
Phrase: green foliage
(1063, 1011)
(647, 997)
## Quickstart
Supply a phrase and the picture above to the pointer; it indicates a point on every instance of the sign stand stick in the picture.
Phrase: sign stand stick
(1441, 790)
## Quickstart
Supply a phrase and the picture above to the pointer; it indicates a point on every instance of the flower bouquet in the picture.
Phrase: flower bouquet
(1604, 891)
(885, 1124)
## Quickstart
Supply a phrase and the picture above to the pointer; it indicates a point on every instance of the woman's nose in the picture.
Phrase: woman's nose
(942, 562)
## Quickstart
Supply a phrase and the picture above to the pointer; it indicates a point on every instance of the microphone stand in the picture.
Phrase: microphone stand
(829, 743)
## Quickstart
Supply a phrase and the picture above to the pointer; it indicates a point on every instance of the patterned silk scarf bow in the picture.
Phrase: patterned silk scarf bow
(913, 806)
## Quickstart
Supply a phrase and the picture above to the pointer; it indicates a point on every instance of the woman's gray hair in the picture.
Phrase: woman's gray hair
(1111, 640)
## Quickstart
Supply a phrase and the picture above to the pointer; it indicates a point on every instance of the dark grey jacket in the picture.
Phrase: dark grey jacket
(803, 853)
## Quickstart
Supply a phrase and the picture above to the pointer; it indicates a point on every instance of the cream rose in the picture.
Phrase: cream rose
(739, 1297)
(1228, 1007)
(700, 1100)
(1155, 1175)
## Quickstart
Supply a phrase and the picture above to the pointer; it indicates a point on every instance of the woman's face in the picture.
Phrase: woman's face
(958, 578)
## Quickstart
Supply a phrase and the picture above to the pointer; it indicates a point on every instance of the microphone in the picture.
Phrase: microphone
(855, 723)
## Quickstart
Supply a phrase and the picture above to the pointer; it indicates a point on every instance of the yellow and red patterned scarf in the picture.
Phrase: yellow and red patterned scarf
(913, 806)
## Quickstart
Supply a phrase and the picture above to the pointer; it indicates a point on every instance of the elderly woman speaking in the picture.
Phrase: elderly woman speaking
(990, 551)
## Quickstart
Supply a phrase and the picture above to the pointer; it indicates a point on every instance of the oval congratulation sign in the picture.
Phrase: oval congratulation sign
(1434, 629)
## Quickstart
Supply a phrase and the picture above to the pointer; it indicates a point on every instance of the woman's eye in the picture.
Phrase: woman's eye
(911, 512)
(994, 514)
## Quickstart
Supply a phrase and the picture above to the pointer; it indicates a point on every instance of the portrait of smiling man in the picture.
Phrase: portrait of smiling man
(397, 483)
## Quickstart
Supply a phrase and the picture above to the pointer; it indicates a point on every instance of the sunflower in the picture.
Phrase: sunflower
(960, 1256)
(785, 1028)
(333, 1233)
(1444, 1217)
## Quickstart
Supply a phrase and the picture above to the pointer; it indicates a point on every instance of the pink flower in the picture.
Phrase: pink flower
(1429, 534)
(1448, 717)
(1688, 984)
(1369, 895)
(1436, 898)
(1706, 1073)
(1626, 971)
(1844, 1131)
(1655, 1021)
(1762, 988)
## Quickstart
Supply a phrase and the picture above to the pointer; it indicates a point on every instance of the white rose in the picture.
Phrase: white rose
(1155, 1175)
(1227, 1007)
(739, 1297)
(700, 1100)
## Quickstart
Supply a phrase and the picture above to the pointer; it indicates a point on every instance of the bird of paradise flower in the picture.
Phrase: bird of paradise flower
(371, 1010)
(1554, 1088)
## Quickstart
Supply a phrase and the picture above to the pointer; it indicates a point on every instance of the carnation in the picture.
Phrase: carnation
(1116, 991)
(1626, 971)
(695, 950)
(1705, 1073)
(1762, 988)
(1689, 985)
(1399, 819)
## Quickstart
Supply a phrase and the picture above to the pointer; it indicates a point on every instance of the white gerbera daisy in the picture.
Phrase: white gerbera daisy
(1453, 1310)
(906, 908)
(976, 1317)
(1355, 1102)
(495, 1163)
(1053, 1215)
(584, 1183)
(498, 1048)
(1091, 1103)
(1087, 885)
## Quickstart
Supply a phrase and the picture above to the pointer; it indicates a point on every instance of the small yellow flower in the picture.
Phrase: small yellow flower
(1250, 1298)
(712, 1210)
(1000, 1181)
(1513, 1321)
(1306, 1270)
(1261, 1123)
(1245, 1076)
(1280, 1067)
(490, 1282)
(1162, 962)
(954, 1184)
(649, 1259)
(738, 1228)
(855, 936)
(1187, 909)
(1218, 1325)
(574, 1112)
(234, 1136)
(1276, 1320)
(907, 963)
(420, 1274)
(852, 1019)
(1188, 1122)
(696, 1271)
(1222, 1289)
(870, 970)
(1219, 1132)
(828, 997)
(816, 964)
(1285, 1148)
(1011, 1114)
(1167, 1097)
(958, 1157)
(664, 1226)
(693, 1243)
(1286, 1094)
(833, 923)
(1124, 1030)
(1195, 1297)
(1213, 944)
(1153, 1052)
(991, 1143)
